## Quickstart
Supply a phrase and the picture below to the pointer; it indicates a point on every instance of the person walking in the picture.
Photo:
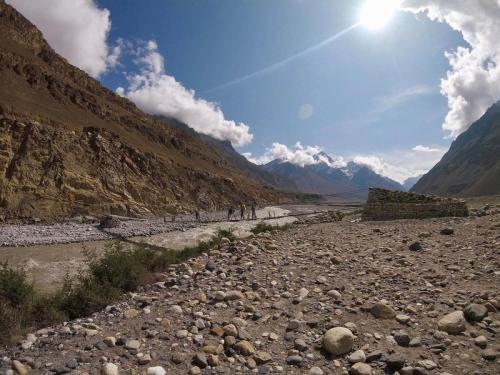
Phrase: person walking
(254, 214)
(242, 211)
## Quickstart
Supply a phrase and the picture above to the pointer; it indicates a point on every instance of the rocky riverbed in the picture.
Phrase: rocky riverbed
(326, 298)
(83, 229)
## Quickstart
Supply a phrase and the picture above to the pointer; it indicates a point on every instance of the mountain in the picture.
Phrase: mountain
(410, 182)
(229, 153)
(70, 146)
(332, 178)
(471, 167)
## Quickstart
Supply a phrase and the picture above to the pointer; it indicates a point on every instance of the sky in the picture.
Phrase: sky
(288, 78)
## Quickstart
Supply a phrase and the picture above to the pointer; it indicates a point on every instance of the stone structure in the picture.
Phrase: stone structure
(385, 204)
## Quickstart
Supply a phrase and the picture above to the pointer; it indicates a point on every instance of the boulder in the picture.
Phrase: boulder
(338, 341)
(452, 323)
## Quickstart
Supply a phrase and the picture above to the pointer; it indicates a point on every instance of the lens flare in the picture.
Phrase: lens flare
(375, 14)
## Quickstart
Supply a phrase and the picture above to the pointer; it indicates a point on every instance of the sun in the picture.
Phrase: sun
(375, 14)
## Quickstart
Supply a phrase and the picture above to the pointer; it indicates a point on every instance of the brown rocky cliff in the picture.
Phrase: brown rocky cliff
(70, 146)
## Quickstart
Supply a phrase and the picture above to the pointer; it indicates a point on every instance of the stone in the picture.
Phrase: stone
(427, 364)
(415, 246)
(200, 360)
(143, 359)
(357, 356)
(234, 295)
(300, 345)
(338, 341)
(251, 364)
(157, 370)
(294, 360)
(178, 358)
(245, 348)
(110, 341)
(361, 369)
(403, 318)
(452, 323)
(213, 360)
(402, 338)
(109, 369)
(383, 311)
(262, 357)
(230, 330)
(447, 231)
(19, 367)
(334, 294)
(315, 371)
(395, 362)
(475, 312)
(132, 344)
(481, 341)
(489, 354)
(293, 325)
(131, 313)
(195, 370)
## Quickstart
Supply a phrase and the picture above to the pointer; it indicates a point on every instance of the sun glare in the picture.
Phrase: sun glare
(375, 14)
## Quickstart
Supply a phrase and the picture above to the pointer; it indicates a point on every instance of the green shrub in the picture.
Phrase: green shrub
(14, 286)
(118, 271)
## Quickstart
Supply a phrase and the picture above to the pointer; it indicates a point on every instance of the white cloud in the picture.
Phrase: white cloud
(472, 84)
(297, 154)
(426, 149)
(401, 164)
(306, 111)
(386, 103)
(156, 92)
(76, 29)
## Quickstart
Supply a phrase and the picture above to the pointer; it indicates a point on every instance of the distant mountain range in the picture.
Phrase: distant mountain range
(471, 167)
(327, 177)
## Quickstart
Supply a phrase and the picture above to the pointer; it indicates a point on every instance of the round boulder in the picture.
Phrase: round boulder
(338, 341)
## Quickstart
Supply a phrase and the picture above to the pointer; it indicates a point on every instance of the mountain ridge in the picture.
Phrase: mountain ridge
(471, 167)
(330, 178)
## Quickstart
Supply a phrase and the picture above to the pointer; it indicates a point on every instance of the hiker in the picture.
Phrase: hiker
(197, 215)
(254, 214)
(230, 212)
(242, 211)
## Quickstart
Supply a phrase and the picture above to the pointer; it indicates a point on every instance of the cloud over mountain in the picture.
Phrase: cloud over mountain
(397, 165)
(297, 154)
(156, 92)
(471, 85)
(77, 30)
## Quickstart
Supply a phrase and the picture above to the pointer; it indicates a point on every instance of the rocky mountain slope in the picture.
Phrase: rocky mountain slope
(70, 146)
(471, 167)
(351, 181)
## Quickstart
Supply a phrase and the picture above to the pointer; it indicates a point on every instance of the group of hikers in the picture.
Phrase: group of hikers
(251, 214)
(231, 213)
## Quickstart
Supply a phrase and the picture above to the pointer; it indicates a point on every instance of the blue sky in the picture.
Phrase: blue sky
(207, 43)
(370, 95)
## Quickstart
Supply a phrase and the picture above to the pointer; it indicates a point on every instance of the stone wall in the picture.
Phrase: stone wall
(391, 205)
